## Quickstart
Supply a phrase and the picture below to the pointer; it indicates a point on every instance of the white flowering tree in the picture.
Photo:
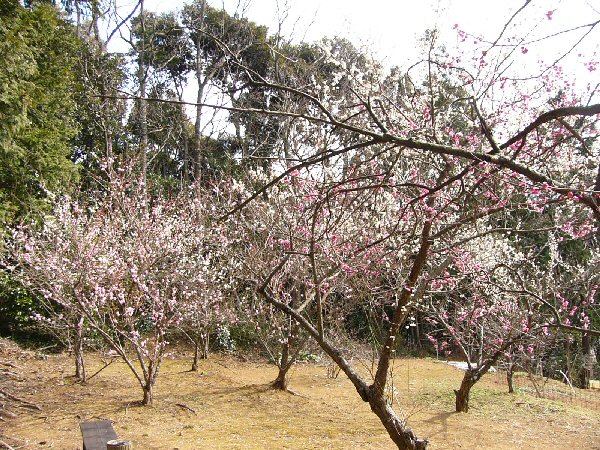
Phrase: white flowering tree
(214, 303)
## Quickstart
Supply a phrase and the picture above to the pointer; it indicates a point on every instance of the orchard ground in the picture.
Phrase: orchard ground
(228, 405)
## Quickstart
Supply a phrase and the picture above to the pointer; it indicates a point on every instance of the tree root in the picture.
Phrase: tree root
(11, 365)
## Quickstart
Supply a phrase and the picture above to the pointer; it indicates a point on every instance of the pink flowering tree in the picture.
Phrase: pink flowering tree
(126, 264)
(477, 312)
(429, 159)
(54, 261)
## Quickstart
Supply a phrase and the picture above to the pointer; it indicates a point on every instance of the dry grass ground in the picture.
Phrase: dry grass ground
(233, 408)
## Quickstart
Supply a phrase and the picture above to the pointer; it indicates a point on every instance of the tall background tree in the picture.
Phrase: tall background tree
(37, 111)
(38, 125)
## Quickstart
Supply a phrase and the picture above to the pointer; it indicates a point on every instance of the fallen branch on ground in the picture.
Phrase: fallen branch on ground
(6, 446)
(17, 399)
(184, 406)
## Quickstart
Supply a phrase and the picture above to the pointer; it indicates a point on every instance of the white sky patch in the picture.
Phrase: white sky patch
(391, 29)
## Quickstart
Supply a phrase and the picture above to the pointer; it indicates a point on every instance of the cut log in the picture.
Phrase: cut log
(118, 444)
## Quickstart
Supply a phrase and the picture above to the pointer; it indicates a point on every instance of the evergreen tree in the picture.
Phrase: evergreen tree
(37, 47)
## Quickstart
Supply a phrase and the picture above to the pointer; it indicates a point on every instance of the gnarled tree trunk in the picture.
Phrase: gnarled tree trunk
(288, 358)
(282, 380)
(285, 363)
(462, 394)
(400, 434)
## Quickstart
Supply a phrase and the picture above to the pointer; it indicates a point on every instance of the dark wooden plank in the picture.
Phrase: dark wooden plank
(96, 434)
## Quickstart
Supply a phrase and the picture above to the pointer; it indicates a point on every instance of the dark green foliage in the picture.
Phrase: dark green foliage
(37, 50)
(15, 306)
(244, 38)
(166, 48)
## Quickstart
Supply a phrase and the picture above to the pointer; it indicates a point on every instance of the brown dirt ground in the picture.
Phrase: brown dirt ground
(235, 409)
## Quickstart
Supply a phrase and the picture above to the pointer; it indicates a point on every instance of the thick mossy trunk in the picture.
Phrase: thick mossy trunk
(401, 435)
(462, 394)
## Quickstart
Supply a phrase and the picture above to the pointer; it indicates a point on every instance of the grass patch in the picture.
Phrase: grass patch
(233, 408)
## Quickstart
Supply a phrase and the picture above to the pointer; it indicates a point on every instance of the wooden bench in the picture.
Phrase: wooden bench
(96, 434)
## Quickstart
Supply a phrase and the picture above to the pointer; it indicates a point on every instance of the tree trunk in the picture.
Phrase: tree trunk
(205, 340)
(186, 174)
(201, 346)
(78, 20)
(148, 397)
(418, 331)
(587, 367)
(142, 94)
(196, 355)
(462, 394)
(80, 373)
(567, 346)
(199, 157)
(402, 436)
(509, 378)
(281, 382)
